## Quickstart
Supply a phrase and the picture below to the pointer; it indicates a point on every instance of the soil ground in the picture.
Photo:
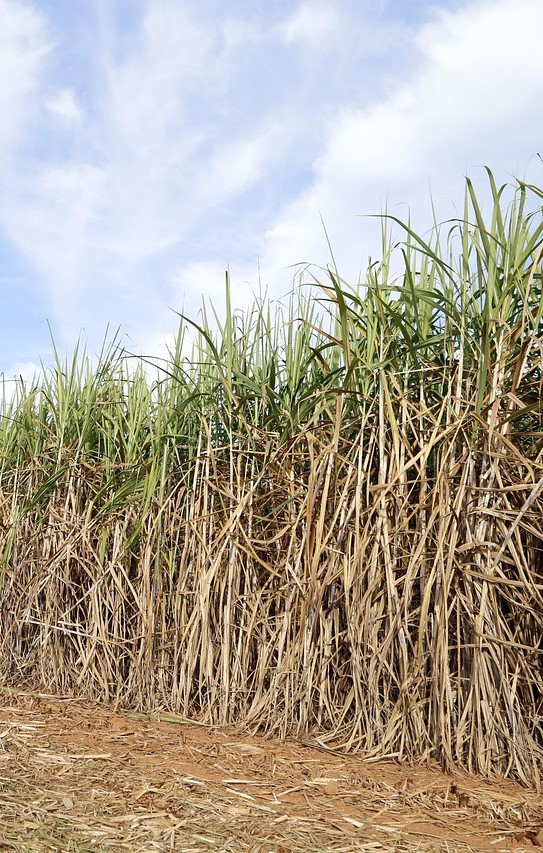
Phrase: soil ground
(77, 777)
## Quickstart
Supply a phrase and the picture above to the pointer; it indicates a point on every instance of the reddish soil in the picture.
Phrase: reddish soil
(76, 777)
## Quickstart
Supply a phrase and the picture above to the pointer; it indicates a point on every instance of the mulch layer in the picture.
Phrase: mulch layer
(77, 777)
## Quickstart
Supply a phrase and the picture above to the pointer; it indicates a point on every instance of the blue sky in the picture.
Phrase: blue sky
(146, 145)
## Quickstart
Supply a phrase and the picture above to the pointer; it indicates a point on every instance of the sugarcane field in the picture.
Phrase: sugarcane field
(283, 590)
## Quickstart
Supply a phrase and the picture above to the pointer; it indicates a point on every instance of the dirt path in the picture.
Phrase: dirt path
(75, 777)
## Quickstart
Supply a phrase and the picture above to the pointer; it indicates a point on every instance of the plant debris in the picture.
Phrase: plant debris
(77, 777)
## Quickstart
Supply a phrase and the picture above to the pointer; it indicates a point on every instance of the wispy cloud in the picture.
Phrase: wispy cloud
(313, 22)
(24, 44)
(64, 105)
(475, 73)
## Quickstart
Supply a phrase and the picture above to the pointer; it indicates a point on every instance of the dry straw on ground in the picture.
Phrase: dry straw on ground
(326, 524)
(77, 778)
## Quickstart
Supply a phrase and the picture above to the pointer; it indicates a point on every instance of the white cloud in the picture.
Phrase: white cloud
(170, 148)
(24, 44)
(50, 220)
(312, 22)
(236, 166)
(18, 379)
(64, 105)
(472, 99)
(25, 371)
(141, 176)
(236, 33)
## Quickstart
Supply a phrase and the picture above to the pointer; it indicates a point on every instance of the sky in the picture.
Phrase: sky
(146, 146)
